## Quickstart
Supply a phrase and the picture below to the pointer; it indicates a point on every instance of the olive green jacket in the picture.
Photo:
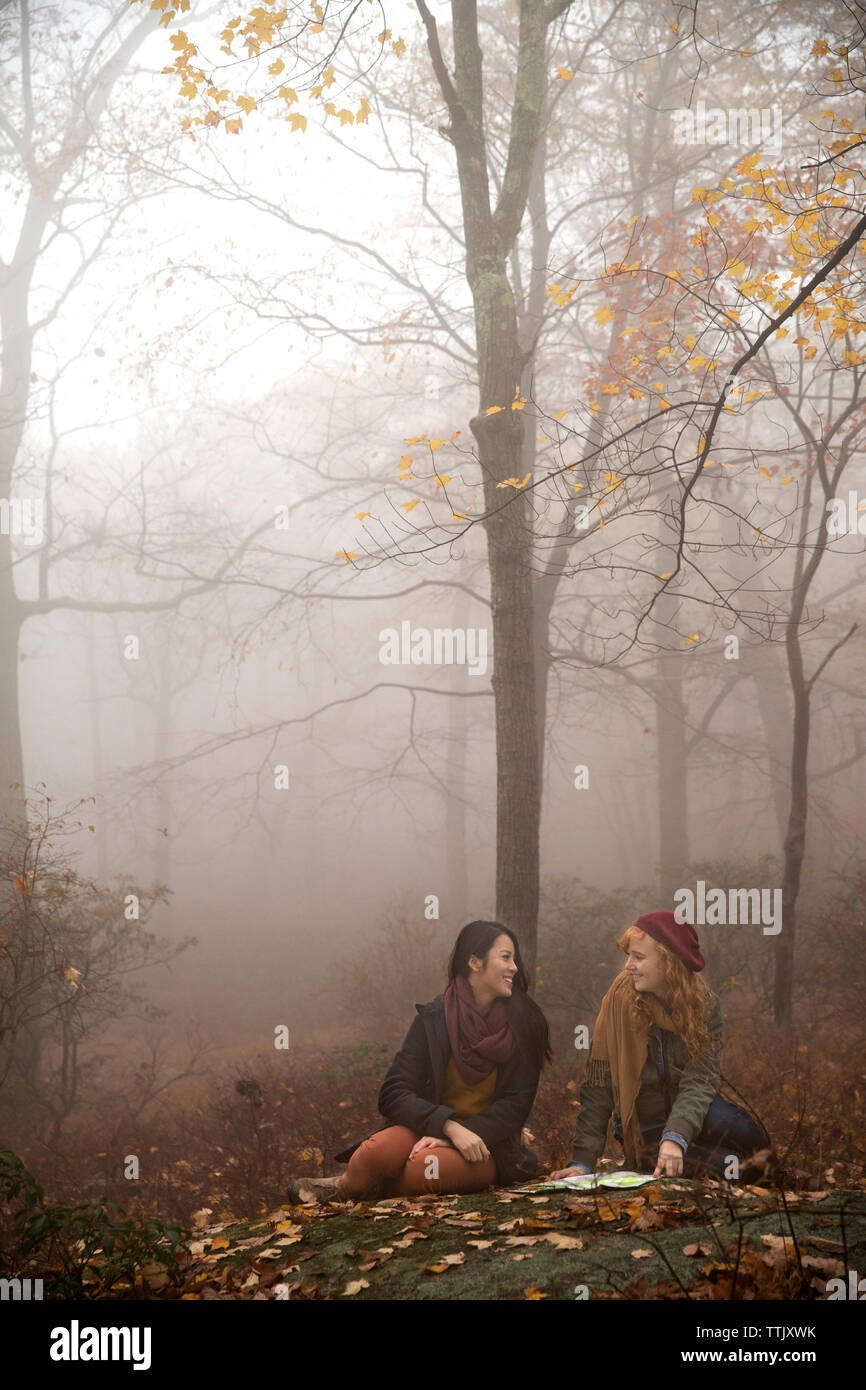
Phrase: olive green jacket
(674, 1092)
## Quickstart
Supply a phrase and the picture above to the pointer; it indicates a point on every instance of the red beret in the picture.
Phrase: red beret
(679, 937)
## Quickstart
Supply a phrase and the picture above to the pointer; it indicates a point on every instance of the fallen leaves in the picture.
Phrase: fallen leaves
(355, 1286)
(691, 1225)
(446, 1262)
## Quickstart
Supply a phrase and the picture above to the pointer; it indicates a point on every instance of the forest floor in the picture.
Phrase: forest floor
(670, 1239)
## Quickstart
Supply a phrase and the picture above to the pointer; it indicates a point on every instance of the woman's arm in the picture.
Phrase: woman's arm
(699, 1082)
(400, 1100)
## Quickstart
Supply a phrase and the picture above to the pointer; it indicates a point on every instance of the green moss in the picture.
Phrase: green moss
(606, 1264)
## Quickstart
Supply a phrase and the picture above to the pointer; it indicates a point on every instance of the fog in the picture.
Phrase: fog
(218, 349)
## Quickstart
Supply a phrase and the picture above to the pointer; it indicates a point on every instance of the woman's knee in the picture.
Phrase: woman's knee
(728, 1124)
(388, 1148)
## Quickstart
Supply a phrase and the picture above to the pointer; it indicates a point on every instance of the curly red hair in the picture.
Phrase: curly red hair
(687, 991)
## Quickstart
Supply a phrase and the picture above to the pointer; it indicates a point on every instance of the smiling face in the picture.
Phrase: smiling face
(645, 964)
(493, 977)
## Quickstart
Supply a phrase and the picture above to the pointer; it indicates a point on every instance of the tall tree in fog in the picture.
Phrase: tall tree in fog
(643, 474)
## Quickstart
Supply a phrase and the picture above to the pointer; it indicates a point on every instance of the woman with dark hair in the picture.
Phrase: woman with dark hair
(655, 1063)
(461, 1087)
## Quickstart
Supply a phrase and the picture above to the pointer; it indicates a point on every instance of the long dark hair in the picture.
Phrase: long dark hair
(524, 1015)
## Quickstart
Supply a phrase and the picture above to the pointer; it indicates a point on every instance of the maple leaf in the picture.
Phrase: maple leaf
(604, 314)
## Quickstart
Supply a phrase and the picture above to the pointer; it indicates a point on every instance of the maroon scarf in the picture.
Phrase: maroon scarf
(479, 1042)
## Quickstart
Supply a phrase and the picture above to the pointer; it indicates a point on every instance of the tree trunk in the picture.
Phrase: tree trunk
(490, 235)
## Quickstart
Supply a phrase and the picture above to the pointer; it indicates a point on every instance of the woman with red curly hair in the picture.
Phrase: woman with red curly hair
(655, 1064)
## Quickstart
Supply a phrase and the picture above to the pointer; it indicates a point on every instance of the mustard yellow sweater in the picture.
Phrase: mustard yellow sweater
(464, 1099)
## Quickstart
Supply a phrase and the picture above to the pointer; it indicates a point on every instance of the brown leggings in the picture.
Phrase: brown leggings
(382, 1166)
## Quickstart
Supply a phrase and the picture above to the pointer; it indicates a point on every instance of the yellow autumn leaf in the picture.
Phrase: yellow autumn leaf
(435, 444)
(443, 480)
(692, 637)
(416, 439)
(346, 555)
(565, 74)
(407, 506)
(765, 472)
(297, 121)
(514, 482)
(604, 314)
(359, 516)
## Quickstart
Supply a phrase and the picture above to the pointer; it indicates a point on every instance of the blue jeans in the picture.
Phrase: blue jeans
(727, 1129)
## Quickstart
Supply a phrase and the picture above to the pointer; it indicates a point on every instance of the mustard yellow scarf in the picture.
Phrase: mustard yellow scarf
(620, 1043)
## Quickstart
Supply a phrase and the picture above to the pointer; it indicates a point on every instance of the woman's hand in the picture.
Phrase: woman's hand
(573, 1170)
(670, 1160)
(468, 1144)
(429, 1142)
